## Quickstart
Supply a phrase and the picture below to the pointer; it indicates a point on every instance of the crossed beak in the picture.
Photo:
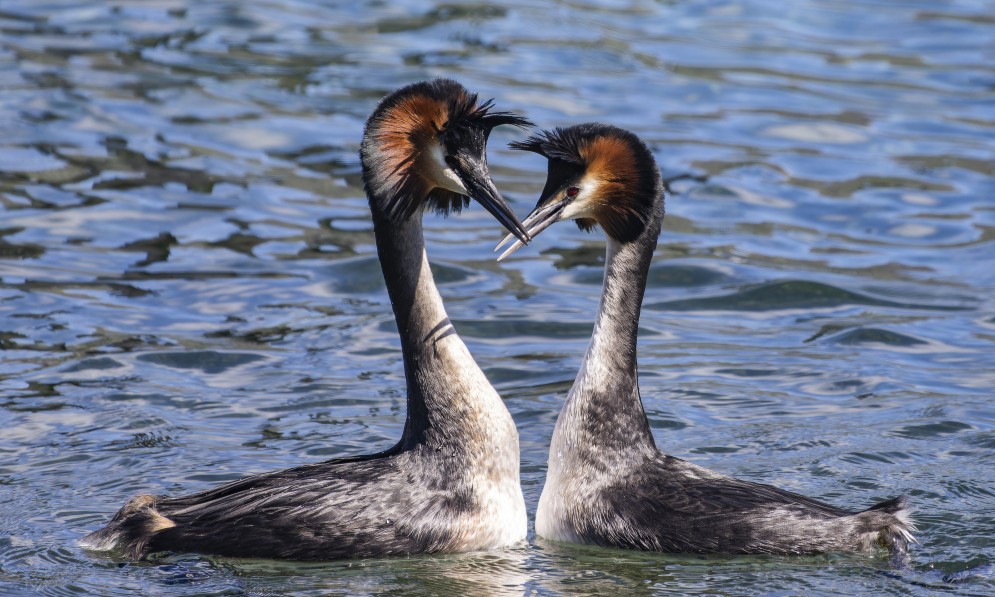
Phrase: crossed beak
(542, 217)
(477, 180)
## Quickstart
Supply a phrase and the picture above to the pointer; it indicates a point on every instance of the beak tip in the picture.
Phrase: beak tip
(507, 239)
(508, 251)
(483, 190)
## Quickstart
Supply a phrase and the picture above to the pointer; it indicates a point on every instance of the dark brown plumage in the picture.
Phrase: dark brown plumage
(607, 483)
(613, 162)
(404, 129)
(451, 484)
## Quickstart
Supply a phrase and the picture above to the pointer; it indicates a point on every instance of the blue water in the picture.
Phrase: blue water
(189, 290)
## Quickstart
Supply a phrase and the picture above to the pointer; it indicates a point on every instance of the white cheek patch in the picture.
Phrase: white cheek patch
(577, 209)
(582, 206)
(441, 175)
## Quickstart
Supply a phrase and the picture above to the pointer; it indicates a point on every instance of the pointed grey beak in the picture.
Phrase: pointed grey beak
(478, 182)
(541, 218)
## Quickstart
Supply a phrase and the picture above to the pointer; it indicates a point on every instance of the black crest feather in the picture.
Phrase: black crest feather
(398, 134)
(557, 144)
(630, 187)
(464, 111)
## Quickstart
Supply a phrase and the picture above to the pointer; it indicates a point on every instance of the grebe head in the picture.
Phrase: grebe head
(425, 146)
(598, 175)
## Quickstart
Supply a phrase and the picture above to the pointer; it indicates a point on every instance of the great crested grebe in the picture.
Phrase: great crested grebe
(451, 484)
(607, 483)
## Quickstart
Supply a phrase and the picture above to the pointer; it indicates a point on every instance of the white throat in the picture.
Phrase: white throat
(442, 175)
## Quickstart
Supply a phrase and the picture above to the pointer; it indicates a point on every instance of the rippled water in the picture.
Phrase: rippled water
(189, 290)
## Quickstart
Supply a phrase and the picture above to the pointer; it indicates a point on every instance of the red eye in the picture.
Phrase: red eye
(572, 191)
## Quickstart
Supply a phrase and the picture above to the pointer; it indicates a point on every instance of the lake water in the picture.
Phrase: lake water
(189, 290)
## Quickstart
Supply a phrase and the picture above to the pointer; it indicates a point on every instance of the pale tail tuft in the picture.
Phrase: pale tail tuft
(896, 531)
(130, 530)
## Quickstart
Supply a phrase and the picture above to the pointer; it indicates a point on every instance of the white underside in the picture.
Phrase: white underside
(442, 175)
(551, 518)
(503, 520)
(500, 519)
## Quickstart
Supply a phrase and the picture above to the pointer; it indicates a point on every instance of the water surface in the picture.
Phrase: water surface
(189, 289)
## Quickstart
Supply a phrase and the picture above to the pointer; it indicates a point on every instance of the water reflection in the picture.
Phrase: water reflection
(503, 573)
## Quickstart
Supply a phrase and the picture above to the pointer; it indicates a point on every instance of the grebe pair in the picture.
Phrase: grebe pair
(452, 482)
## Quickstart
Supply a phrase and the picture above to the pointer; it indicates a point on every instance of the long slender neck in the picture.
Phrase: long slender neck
(603, 408)
(450, 401)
